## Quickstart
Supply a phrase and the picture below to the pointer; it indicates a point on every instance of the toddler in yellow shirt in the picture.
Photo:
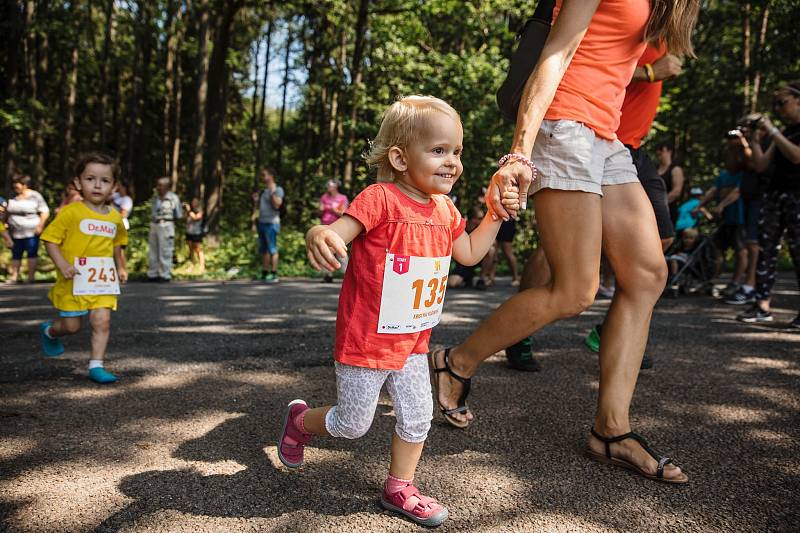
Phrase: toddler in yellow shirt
(86, 242)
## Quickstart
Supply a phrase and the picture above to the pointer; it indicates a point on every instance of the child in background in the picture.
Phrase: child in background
(85, 242)
(687, 216)
(194, 234)
(403, 230)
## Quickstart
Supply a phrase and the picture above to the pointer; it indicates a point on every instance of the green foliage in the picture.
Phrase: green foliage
(456, 50)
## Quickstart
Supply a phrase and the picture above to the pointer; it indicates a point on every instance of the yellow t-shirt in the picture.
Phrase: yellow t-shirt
(81, 232)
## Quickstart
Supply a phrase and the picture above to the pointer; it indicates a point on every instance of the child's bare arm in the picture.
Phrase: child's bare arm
(325, 244)
(470, 248)
(119, 260)
(67, 270)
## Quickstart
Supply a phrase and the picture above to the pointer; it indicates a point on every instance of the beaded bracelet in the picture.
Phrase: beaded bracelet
(518, 157)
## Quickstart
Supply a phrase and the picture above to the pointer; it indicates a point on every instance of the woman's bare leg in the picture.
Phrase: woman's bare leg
(632, 246)
(570, 226)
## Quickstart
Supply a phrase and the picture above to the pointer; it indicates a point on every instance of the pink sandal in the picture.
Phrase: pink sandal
(410, 503)
(292, 441)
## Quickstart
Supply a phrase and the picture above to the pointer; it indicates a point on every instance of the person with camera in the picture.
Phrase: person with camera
(780, 208)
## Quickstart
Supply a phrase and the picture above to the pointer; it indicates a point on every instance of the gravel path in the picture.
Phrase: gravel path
(185, 440)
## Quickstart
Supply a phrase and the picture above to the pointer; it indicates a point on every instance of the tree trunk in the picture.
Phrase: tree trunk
(357, 73)
(746, 55)
(260, 126)
(175, 149)
(286, 59)
(169, 85)
(762, 39)
(218, 82)
(254, 103)
(196, 166)
(104, 81)
(71, 96)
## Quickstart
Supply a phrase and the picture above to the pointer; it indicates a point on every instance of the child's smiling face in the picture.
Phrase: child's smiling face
(432, 163)
(96, 183)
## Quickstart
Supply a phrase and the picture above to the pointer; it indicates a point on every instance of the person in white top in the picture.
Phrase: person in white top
(123, 202)
(27, 213)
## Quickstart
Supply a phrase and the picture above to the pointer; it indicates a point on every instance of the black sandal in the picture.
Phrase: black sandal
(462, 400)
(607, 459)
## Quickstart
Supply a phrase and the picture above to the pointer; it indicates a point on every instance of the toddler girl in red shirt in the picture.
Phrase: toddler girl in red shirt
(404, 230)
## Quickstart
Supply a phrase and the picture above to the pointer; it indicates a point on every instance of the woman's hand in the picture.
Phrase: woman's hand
(324, 246)
(513, 176)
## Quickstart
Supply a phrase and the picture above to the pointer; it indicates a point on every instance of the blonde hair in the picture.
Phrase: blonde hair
(671, 23)
(400, 124)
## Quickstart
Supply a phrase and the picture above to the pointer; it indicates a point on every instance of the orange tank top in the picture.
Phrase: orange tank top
(593, 87)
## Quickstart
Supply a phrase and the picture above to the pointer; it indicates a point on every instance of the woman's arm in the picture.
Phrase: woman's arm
(731, 197)
(789, 150)
(677, 184)
(562, 42)
(324, 244)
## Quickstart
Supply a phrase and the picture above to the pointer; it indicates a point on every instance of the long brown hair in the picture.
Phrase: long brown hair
(671, 23)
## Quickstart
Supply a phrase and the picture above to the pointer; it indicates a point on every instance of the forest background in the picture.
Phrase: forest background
(208, 91)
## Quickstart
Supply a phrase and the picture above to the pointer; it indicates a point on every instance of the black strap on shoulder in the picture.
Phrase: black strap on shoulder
(544, 10)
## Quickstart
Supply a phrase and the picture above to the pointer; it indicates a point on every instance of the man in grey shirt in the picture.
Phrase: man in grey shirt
(165, 211)
(269, 202)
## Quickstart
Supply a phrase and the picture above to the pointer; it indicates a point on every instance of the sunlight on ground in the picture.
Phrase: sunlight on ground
(13, 447)
(733, 414)
(311, 456)
(764, 334)
(764, 362)
(774, 438)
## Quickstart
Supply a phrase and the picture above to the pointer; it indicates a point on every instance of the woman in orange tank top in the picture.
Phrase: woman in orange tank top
(586, 194)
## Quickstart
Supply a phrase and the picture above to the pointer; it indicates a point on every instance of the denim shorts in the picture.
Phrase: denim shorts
(268, 237)
(570, 157)
(29, 245)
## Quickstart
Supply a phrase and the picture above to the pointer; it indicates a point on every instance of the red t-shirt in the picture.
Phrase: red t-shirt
(393, 223)
(641, 103)
(593, 87)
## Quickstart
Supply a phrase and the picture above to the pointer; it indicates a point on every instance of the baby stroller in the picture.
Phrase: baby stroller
(697, 268)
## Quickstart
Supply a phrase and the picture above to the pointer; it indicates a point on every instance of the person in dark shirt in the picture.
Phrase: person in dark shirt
(780, 210)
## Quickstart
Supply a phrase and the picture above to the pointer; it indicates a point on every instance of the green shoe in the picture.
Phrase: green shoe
(592, 340)
(520, 356)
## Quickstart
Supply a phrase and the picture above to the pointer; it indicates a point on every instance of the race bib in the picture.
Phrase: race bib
(96, 275)
(412, 297)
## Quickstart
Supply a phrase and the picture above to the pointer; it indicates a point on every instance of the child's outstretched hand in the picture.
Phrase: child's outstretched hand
(510, 200)
(324, 246)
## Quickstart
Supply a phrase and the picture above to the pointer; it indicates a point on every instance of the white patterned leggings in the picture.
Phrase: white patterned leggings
(358, 390)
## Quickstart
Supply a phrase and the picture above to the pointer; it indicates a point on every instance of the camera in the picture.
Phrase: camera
(747, 122)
